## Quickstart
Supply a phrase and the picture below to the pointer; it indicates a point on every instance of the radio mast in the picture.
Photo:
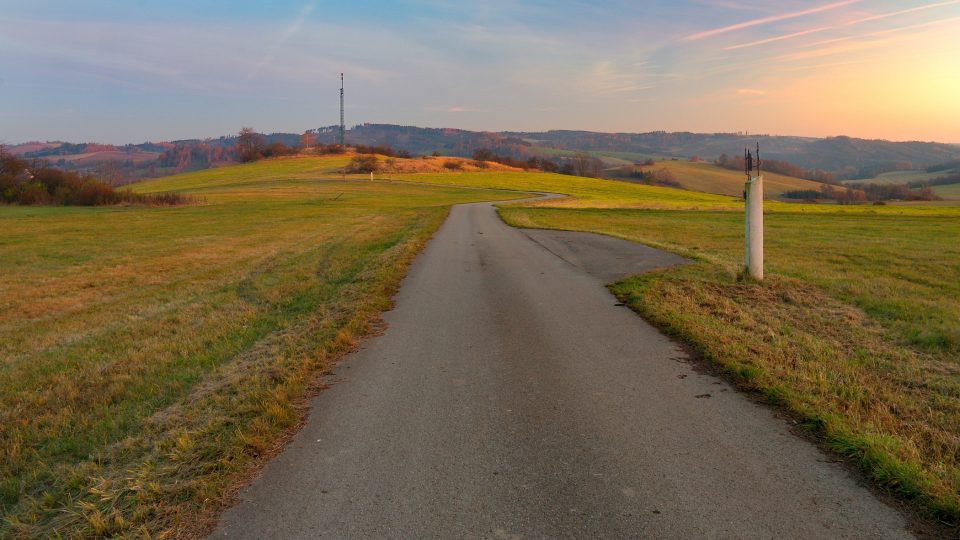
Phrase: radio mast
(342, 128)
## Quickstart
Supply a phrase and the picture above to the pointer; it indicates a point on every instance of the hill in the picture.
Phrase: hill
(709, 178)
(851, 156)
(845, 157)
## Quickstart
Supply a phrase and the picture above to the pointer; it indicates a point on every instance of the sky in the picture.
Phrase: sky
(119, 71)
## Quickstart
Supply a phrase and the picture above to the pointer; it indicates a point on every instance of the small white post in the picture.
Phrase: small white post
(754, 226)
(371, 175)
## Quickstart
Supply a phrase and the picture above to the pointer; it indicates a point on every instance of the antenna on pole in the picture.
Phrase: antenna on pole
(342, 128)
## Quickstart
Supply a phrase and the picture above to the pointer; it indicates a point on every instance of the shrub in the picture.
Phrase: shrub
(453, 165)
(35, 183)
(362, 164)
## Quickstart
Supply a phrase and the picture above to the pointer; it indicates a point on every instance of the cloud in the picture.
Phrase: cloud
(767, 20)
(290, 31)
(751, 92)
(902, 12)
(778, 38)
(859, 45)
(605, 78)
(845, 24)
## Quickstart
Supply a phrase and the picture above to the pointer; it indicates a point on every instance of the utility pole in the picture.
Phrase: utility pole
(753, 196)
(342, 128)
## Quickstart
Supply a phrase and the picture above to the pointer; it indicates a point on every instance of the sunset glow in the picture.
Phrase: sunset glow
(119, 73)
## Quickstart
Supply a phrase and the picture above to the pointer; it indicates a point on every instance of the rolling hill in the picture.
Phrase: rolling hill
(709, 178)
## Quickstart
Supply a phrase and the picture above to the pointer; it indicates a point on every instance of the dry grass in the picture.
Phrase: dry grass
(433, 164)
(150, 356)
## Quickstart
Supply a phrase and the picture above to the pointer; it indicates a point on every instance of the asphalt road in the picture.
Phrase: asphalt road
(511, 398)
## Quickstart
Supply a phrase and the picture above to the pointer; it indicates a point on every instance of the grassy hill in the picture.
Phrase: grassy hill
(950, 192)
(709, 178)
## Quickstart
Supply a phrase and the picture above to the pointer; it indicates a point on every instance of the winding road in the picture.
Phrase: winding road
(511, 397)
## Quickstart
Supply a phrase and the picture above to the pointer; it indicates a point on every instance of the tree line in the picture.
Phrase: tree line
(33, 182)
(863, 193)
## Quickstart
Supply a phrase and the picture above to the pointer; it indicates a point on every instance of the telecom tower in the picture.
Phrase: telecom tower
(342, 128)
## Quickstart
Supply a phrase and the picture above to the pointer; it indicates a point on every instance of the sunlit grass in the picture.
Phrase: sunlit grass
(148, 356)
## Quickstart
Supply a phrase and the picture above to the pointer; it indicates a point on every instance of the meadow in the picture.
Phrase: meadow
(709, 178)
(149, 357)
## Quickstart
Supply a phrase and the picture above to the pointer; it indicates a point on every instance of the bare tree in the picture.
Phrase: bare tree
(308, 140)
(250, 145)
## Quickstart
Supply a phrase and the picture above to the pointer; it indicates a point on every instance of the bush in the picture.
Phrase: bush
(35, 183)
(362, 165)
(453, 165)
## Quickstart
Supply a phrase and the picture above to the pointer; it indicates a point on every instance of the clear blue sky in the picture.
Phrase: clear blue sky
(132, 70)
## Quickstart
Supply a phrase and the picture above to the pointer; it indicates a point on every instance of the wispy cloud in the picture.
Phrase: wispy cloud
(846, 24)
(778, 38)
(605, 78)
(290, 31)
(902, 12)
(767, 20)
(856, 44)
(751, 92)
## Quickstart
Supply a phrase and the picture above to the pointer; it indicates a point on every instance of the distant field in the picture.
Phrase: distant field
(709, 178)
(149, 356)
(109, 155)
(949, 191)
(900, 177)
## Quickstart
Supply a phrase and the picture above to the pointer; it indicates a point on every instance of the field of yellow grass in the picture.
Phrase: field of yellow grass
(151, 357)
(709, 178)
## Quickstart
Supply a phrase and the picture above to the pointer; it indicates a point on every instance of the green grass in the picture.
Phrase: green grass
(949, 192)
(900, 177)
(150, 356)
(709, 178)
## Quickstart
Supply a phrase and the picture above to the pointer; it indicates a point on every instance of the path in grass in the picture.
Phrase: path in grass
(149, 355)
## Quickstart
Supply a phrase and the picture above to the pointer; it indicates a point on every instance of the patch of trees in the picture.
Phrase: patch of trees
(785, 168)
(944, 166)
(658, 177)
(382, 150)
(36, 183)
(191, 156)
(253, 146)
(362, 164)
(939, 181)
(482, 155)
(864, 193)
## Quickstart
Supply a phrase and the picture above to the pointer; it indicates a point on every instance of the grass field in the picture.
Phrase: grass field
(950, 192)
(709, 178)
(900, 177)
(149, 356)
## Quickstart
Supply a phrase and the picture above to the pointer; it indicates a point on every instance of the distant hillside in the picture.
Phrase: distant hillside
(708, 178)
(846, 156)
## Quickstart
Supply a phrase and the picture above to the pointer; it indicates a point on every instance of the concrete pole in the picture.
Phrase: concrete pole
(754, 227)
